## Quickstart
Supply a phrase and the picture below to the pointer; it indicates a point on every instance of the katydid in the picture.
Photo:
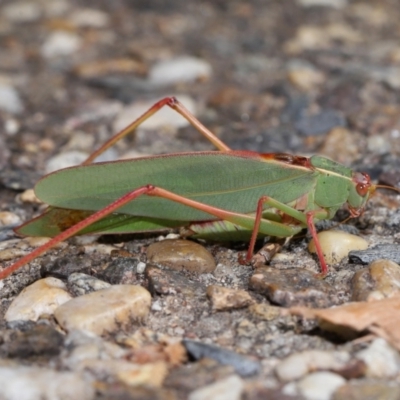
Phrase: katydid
(227, 194)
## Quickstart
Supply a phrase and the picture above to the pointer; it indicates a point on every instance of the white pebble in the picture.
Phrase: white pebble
(28, 196)
(22, 11)
(323, 3)
(320, 385)
(10, 100)
(32, 383)
(179, 69)
(8, 218)
(299, 364)
(65, 160)
(42, 297)
(382, 360)
(336, 245)
(105, 310)
(11, 126)
(163, 117)
(60, 44)
(89, 17)
(230, 388)
(141, 266)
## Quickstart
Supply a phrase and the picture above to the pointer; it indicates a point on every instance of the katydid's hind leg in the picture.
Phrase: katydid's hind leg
(246, 221)
(176, 105)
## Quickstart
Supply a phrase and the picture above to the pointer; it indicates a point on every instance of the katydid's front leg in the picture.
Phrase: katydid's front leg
(305, 218)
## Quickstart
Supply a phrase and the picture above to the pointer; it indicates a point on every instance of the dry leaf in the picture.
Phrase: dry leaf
(381, 317)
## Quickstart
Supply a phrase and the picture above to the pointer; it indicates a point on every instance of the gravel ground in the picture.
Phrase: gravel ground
(140, 317)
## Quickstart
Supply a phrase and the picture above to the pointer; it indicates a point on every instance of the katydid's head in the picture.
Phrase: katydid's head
(360, 191)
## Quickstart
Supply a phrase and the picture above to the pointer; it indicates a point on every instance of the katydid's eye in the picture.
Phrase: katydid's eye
(363, 183)
(362, 189)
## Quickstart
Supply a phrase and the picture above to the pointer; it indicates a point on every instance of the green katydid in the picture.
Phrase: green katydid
(215, 194)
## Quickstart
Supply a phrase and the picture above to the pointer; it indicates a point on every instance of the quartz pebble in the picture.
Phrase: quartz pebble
(323, 3)
(22, 11)
(81, 284)
(179, 69)
(381, 279)
(105, 310)
(29, 383)
(10, 100)
(336, 245)
(89, 17)
(299, 364)
(381, 359)
(319, 385)
(230, 388)
(28, 196)
(60, 43)
(42, 297)
(8, 218)
(149, 374)
(293, 287)
(181, 255)
(65, 160)
(223, 298)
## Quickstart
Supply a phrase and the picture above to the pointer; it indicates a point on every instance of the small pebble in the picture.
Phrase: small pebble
(80, 284)
(223, 298)
(243, 365)
(389, 251)
(40, 340)
(105, 310)
(180, 69)
(320, 385)
(230, 388)
(165, 117)
(22, 11)
(9, 219)
(141, 266)
(80, 346)
(11, 126)
(292, 287)
(89, 18)
(32, 383)
(28, 196)
(181, 255)
(42, 297)
(10, 100)
(381, 279)
(319, 124)
(65, 160)
(148, 374)
(61, 43)
(323, 3)
(121, 271)
(299, 364)
(304, 75)
(382, 360)
(366, 390)
(336, 245)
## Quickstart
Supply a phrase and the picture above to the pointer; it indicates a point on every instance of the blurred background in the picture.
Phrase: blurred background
(300, 76)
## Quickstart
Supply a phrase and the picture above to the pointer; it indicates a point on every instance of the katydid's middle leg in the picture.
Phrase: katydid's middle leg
(304, 218)
(176, 105)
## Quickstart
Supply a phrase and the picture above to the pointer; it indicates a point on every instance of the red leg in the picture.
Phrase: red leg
(176, 105)
(310, 223)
